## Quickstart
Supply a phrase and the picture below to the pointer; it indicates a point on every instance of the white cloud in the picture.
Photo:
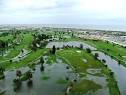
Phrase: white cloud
(11, 5)
(74, 11)
(103, 9)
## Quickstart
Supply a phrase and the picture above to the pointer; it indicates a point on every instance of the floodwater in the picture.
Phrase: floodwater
(58, 71)
(119, 71)
(55, 72)
(98, 80)
(40, 86)
(70, 43)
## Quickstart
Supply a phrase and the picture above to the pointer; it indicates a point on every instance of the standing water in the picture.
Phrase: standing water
(119, 71)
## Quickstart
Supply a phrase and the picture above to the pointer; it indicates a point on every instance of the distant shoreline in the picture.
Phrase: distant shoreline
(88, 27)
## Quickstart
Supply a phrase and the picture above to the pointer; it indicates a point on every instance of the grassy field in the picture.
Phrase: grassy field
(14, 52)
(5, 38)
(26, 61)
(116, 51)
(30, 58)
(75, 59)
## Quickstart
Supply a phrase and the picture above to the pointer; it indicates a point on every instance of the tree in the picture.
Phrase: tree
(17, 84)
(81, 46)
(42, 68)
(119, 62)
(2, 46)
(53, 49)
(108, 49)
(2, 72)
(111, 73)
(103, 60)
(18, 73)
(29, 75)
(96, 55)
(30, 83)
(41, 60)
(88, 50)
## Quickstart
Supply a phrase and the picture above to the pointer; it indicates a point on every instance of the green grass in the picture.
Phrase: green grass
(61, 81)
(84, 86)
(116, 51)
(5, 38)
(51, 59)
(14, 52)
(75, 60)
(31, 57)
(112, 84)
(45, 77)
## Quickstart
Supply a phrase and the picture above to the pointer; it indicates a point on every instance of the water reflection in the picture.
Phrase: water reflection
(38, 86)
(71, 43)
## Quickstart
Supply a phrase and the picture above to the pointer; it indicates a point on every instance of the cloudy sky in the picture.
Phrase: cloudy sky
(90, 12)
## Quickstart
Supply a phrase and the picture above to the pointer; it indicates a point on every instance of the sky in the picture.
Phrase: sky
(84, 12)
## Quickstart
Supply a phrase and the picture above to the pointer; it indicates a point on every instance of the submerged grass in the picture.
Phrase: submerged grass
(116, 51)
(75, 59)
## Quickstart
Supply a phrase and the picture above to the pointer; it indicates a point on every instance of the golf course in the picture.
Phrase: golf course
(57, 63)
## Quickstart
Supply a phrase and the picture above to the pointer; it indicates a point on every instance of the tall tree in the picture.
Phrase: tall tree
(53, 49)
